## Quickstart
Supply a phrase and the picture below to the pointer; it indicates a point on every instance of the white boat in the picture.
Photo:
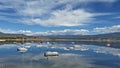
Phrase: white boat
(27, 43)
(38, 45)
(71, 48)
(65, 48)
(27, 46)
(48, 42)
(73, 42)
(108, 45)
(22, 49)
(46, 54)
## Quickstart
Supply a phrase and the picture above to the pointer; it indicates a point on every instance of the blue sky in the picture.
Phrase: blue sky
(53, 17)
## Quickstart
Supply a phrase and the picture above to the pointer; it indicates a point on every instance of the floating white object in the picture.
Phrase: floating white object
(39, 45)
(28, 43)
(77, 46)
(51, 54)
(71, 48)
(15, 42)
(65, 48)
(22, 49)
(73, 42)
(108, 44)
(84, 49)
(27, 46)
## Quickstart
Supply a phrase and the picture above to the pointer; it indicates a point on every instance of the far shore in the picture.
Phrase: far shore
(59, 39)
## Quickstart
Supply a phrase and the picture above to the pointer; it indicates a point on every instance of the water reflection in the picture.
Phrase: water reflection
(71, 55)
(112, 51)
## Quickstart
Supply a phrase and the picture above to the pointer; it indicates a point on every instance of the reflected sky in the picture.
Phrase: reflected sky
(70, 56)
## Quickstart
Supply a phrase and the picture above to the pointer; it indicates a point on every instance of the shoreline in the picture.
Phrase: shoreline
(55, 40)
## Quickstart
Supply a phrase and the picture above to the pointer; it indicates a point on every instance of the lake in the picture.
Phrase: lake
(71, 55)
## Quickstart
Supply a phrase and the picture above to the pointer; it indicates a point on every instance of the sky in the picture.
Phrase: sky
(59, 17)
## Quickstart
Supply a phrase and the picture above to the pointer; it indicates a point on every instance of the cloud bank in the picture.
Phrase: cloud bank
(112, 29)
(48, 13)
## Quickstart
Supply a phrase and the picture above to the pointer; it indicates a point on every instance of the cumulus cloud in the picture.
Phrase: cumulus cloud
(63, 32)
(112, 29)
(65, 18)
(27, 32)
(53, 32)
(42, 12)
(6, 30)
(115, 28)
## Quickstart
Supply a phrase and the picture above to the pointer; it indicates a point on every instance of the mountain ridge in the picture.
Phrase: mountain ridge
(10, 35)
(115, 34)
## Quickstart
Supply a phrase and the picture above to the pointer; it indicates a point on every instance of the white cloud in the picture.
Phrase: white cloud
(100, 0)
(27, 32)
(41, 12)
(64, 32)
(53, 32)
(6, 30)
(112, 29)
(65, 18)
(86, 1)
(115, 28)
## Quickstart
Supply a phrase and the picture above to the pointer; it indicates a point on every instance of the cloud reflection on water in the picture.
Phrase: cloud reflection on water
(107, 50)
(71, 59)
(67, 60)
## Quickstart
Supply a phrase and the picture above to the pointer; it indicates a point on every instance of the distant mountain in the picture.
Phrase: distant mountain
(116, 34)
(11, 35)
(63, 36)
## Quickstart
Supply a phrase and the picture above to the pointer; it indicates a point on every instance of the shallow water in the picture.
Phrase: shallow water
(77, 55)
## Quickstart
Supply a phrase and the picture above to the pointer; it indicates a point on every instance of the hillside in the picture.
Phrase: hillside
(11, 35)
(108, 35)
(19, 38)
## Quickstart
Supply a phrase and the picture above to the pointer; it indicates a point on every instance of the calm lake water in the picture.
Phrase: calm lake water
(71, 55)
